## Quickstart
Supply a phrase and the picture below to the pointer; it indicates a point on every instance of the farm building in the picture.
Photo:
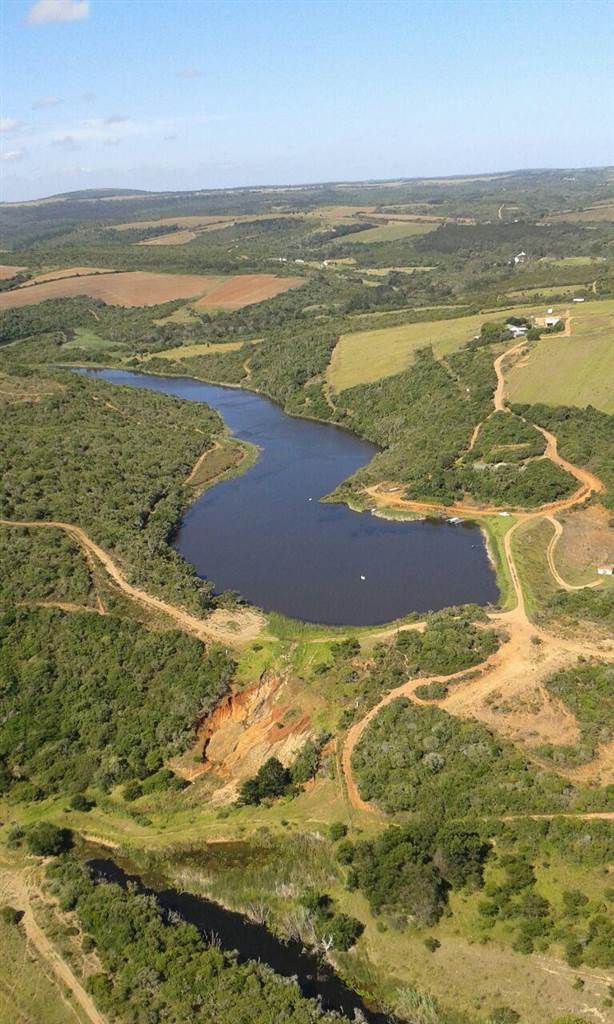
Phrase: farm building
(551, 321)
(520, 257)
(605, 570)
(516, 331)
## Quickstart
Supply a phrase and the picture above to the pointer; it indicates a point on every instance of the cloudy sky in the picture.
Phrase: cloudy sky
(183, 94)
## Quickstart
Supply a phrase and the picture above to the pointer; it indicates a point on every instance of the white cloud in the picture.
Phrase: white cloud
(9, 124)
(46, 101)
(13, 156)
(169, 138)
(189, 73)
(66, 142)
(117, 119)
(44, 11)
(112, 140)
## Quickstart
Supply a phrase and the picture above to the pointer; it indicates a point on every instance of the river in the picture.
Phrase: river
(251, 941)
(266, 535)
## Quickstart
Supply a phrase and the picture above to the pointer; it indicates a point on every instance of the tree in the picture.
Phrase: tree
(460, 855)
(271, 780)
(81, 802)
(344, 930)
(47, 840)
(9, 915)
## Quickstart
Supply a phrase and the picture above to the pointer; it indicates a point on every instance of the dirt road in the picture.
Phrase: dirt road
(558, 532)
(234, 629)
(529, 655)
(18, 892)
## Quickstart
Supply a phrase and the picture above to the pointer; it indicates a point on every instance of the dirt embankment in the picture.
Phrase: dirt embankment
(245, 729)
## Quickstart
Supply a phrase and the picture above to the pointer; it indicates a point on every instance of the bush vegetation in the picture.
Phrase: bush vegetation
(114, 463)
(587, 691)
(421, 759)
(89, 700)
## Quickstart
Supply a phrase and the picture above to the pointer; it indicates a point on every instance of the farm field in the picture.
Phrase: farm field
(383, 271)
(367, 356)
(140, 288)
(246, 289)
(557, 289)
(194, 221)
(180, 237)
(190, 221)
(187, 351)
(58, 275)
(599, 212)
(572, 261)
(571, 371)
(7, 272)
(132, 288)
(391, 232)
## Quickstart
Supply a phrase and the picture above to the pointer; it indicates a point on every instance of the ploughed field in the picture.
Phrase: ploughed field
(141, 288)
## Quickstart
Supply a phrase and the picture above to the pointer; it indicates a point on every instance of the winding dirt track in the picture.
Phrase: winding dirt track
(14, 887)
(507, 667)
(247, 623)
(558, 532)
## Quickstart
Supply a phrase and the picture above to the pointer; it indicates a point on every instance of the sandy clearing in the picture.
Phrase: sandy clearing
(131, 288)
(7, 272)
(244, 290)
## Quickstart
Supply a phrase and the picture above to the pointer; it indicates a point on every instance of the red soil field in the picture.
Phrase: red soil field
(133, 288)
(247, 289)
(141, 288)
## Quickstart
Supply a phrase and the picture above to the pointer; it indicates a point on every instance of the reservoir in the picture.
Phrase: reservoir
(266, 535)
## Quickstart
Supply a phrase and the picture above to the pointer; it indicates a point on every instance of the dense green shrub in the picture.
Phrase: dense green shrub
(47, 840)
(406, 873)
(271, 780)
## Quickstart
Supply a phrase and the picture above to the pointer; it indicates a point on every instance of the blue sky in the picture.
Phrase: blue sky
(180, 95)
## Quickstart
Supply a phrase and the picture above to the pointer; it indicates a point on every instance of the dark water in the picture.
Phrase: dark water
(266, 534)
(251, 941)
